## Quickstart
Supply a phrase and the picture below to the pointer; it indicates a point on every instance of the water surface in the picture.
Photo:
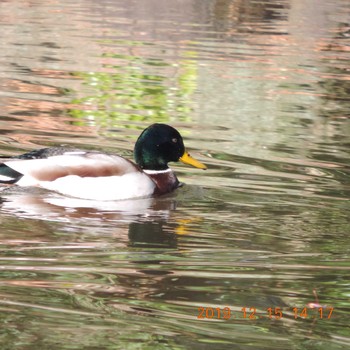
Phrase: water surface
(252, 253)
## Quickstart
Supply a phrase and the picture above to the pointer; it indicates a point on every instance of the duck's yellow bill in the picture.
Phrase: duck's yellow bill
(187, 159)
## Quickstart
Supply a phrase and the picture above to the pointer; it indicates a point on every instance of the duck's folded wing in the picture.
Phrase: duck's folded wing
(79, 163)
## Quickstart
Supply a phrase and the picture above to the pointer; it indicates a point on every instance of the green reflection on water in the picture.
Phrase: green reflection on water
(137, 89)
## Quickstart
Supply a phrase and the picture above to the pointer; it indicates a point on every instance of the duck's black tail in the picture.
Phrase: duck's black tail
(8, 175)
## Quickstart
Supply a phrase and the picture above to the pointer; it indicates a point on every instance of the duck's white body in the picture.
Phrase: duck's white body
(105, 188)
(86, 175)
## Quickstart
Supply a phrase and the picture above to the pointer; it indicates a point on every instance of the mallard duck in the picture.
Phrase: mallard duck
(100, 176)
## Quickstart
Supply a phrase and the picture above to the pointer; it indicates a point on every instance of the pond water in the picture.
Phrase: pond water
(253, 253)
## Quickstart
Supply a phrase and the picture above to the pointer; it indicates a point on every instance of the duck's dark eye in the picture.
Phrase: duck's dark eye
(174, 140)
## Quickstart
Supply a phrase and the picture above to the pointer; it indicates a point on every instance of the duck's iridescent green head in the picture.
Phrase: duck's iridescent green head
(160, 144)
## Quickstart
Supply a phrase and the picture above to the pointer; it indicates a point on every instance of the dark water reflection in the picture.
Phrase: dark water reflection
(260, 92)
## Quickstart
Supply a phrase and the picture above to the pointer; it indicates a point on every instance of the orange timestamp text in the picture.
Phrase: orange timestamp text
(275, 313)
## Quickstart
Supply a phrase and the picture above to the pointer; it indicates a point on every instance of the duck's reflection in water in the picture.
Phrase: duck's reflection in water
(139, 221)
